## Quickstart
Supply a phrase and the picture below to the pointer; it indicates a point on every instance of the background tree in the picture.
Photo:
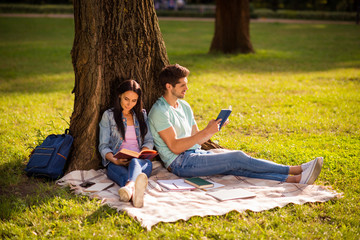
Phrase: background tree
(232, 34)
(112, 39)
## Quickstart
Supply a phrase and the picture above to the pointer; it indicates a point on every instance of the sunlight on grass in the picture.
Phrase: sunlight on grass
(296, 98)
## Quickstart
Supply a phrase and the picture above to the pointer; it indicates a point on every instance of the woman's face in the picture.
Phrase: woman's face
(128, 100)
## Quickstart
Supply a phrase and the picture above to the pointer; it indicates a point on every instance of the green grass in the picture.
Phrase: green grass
(296, 98)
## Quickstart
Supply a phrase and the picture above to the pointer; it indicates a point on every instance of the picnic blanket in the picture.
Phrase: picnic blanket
(161, 205)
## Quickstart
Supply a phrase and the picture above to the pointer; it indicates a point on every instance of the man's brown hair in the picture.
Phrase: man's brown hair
(171, 74)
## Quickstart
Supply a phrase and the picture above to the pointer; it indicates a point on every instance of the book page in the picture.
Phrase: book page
(175, 184)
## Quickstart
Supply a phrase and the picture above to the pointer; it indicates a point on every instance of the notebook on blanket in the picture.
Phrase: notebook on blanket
(228, 194)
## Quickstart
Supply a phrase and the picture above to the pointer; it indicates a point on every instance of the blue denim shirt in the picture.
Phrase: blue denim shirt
(111, 139)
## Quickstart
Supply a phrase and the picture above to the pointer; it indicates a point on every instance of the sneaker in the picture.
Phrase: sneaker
(125, 194)
(140, 187)
(305, 166)
(312, 171)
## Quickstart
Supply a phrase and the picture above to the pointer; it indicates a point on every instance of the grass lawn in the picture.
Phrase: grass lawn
(297, 98)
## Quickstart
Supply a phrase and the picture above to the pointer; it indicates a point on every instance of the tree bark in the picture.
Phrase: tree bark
(112, 39)
(232, 34)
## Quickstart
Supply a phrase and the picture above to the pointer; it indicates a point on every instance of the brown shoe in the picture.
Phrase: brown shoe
(140, 187)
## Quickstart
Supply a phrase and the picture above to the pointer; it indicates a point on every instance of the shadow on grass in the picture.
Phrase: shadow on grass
(27, 192)
(101, 213)
(18, 191)
(57, 82)
(263, 61)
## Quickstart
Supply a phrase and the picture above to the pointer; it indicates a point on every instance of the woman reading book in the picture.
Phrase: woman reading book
(124, 126)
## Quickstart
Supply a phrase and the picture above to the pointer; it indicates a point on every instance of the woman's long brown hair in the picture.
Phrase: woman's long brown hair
(129, 85)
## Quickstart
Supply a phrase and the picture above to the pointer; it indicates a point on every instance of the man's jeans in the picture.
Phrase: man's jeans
(121, 174)
(194, 163)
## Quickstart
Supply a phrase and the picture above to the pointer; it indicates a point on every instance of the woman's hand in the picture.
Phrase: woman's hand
(120, 162)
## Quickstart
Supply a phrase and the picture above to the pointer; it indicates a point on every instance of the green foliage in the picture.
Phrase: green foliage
(314, 15)
(295, 99)
(195, 10)
(31, 8)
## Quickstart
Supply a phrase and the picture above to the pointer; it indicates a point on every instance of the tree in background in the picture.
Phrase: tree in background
(232, 23)
(112, 39)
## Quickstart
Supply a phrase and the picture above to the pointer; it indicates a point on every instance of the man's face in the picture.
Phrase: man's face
(180, 88)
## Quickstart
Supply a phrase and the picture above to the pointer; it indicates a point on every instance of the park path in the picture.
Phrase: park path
(36, 15)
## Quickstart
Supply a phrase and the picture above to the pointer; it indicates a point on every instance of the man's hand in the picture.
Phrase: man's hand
(179, 145)
(225, 123)
(212, 127)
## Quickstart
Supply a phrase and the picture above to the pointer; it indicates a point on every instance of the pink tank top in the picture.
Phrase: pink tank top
(131, 142)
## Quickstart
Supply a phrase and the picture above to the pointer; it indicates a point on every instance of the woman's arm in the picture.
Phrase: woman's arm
(104, 135)
(148, 139)
(104, 141)
(121, 162)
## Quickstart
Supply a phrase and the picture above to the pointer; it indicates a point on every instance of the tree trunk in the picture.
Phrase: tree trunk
(112, 39)
(232, 34)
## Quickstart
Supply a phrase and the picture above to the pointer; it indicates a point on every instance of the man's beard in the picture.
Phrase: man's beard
(181, 96)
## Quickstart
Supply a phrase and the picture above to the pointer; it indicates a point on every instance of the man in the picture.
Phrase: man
(178, 140)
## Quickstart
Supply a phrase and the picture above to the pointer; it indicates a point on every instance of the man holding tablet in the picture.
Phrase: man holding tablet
(178, 140)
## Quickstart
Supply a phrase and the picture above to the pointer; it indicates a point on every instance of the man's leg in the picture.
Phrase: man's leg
(203, 163)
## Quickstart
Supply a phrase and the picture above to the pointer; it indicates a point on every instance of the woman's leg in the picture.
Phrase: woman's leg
(118, 174)
(139, 171)
(204, 163)
(138, 166)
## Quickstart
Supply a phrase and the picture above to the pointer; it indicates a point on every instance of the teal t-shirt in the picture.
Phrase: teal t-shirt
(163, 116)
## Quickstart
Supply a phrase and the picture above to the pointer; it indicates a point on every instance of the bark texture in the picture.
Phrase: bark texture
(112, 39)
(232, 34)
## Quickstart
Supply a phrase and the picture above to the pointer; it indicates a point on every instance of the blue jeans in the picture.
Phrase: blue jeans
(194, 163)
(121, 174)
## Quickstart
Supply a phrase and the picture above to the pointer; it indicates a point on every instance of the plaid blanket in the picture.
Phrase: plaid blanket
(185, 204)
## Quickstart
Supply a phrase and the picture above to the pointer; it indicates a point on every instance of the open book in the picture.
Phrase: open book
(175, 184)
(128, 154)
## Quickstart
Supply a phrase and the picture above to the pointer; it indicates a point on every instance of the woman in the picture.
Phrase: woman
(125, 126)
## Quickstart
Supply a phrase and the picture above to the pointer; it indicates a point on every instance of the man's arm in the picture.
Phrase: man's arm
(178, 146)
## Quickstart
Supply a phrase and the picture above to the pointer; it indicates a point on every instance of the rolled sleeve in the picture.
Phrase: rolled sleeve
(104, 135)
(148, 139)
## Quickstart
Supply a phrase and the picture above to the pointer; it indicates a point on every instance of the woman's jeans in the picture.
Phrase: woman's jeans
(121, 174)
(194, 163)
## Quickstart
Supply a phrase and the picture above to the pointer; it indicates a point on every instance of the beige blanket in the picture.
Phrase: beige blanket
(161, 205)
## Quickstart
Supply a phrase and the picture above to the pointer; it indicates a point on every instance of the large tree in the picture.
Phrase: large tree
(113, 39)
(232, 34)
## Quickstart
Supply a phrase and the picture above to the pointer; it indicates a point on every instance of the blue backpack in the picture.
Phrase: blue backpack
(48, 160)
